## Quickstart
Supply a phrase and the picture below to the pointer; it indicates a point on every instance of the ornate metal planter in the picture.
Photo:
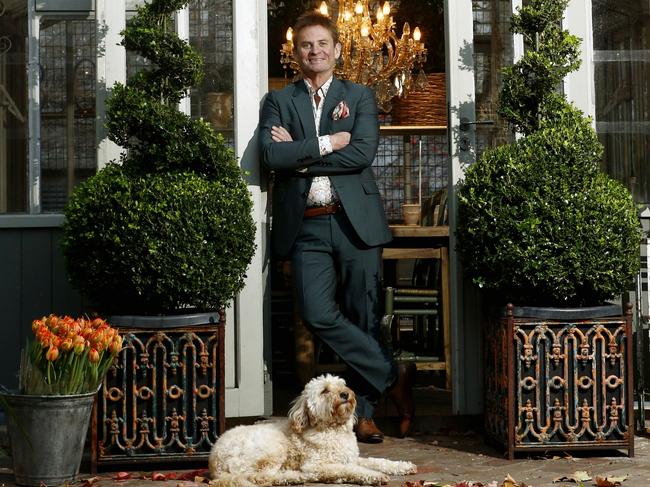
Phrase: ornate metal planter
(163, 400)
(560, 381)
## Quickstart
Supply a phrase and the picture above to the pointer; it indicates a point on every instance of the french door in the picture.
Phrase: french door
(475, 53)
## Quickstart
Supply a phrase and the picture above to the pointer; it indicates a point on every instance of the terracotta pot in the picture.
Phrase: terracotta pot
(411, 213)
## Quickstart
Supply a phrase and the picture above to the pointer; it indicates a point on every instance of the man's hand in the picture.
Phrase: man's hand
(280, 134)
(339, 140)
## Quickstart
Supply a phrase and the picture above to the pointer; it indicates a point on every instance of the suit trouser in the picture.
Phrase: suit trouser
(326, 246)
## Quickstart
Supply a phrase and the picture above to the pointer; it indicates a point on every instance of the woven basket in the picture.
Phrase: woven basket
(426, 107)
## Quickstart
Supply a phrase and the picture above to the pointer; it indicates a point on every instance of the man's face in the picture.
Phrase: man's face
(315, 51)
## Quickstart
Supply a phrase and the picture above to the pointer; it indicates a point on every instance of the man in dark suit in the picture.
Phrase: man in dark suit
(320, 135)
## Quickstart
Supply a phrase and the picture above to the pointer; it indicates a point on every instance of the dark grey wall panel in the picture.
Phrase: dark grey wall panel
(10, 303)
(33, 283)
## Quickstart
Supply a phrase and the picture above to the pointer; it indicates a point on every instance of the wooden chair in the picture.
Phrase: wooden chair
(415, 317)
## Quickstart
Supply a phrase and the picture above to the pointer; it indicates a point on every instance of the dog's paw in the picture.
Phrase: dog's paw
(377, 479)
(408, 468)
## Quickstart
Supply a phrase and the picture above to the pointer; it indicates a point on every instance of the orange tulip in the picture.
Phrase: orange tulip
(60, 344)
(36, 324)
(116, 345)
(93, 356)
(79, 344)
(52, 353)
(66, 345)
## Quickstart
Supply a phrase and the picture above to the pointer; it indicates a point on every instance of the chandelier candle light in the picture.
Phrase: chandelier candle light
(372, 53)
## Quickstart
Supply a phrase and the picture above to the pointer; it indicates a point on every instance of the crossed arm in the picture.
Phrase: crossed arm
(352, 151)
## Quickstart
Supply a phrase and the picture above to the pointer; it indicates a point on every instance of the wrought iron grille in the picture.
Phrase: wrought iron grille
(564, 385)
(163, 398)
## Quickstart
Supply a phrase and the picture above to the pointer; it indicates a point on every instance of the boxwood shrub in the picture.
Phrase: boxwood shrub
(540, 232)
(168, 229)
(158, 243)
(538, 222)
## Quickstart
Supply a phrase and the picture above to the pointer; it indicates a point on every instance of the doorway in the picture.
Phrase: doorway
(422, 152)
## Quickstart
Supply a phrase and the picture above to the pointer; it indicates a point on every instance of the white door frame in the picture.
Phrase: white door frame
(247, 318)
(246, 377)
(579, 85)
(465, 325)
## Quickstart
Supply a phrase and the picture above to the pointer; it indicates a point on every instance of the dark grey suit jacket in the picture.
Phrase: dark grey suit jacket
(349, 168)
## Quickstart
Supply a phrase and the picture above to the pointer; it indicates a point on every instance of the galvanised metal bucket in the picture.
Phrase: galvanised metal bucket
(47, 435)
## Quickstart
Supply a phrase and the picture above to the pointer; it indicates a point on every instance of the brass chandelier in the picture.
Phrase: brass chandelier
(372, 53)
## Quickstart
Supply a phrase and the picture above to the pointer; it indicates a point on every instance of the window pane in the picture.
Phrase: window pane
(13, 109)
(67, 91)
(211, 33)
(134, 61)
(493, 49)
(622, 74)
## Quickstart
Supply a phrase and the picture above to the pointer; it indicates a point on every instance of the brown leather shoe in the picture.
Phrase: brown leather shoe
(367, 431)
(401, 393)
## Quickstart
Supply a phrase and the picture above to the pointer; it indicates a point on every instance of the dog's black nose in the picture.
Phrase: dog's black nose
(344, 395)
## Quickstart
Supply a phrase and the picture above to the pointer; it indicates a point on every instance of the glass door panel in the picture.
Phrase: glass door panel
(493, 49)
(622, 81)
(13, 108)
(211, 33)
(67, 109)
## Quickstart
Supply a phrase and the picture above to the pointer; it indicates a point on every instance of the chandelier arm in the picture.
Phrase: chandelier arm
(392, 64)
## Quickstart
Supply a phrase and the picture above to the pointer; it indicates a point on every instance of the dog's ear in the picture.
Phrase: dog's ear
(299, 414)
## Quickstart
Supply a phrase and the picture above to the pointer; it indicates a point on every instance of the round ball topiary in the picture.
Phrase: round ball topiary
(159, 242)
(540, 224)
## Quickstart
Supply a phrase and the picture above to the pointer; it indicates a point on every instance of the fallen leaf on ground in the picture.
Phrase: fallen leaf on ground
(90, 481)
(610, 481)
(509, 482)
(203, 473)
(122, 476)
(577, 477)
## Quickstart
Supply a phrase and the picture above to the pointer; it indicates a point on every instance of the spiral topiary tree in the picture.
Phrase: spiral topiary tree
(169, 227)
(538, 222)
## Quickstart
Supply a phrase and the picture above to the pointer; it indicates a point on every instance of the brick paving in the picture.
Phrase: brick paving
(449, 458)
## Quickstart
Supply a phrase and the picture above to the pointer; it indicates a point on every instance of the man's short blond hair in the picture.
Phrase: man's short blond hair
(313, 17)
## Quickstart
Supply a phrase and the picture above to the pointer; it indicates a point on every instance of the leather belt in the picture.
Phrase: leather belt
(323, 210)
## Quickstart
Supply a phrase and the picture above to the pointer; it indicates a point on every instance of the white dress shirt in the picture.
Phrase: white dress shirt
(321, 192)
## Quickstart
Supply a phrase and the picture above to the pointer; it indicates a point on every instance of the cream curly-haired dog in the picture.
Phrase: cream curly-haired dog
(315, 444)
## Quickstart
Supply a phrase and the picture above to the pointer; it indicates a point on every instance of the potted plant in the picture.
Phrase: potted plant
(539, 226)
(161, 241)
(61, 370)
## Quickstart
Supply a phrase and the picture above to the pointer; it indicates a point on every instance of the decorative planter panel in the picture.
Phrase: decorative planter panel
(163, 399)
(559, 383)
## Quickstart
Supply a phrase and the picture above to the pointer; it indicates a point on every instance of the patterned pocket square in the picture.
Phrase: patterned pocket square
(341, 111)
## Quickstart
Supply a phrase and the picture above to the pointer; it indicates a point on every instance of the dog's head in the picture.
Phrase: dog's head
(326, 401)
